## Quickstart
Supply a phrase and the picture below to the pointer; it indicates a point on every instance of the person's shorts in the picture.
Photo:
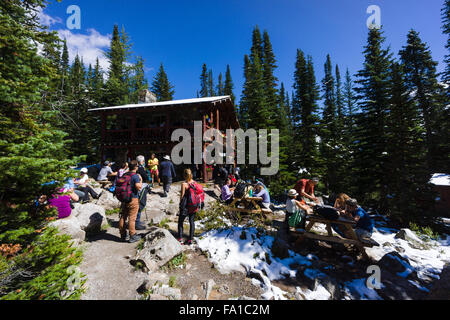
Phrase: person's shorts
(155, 172)
(265, 205)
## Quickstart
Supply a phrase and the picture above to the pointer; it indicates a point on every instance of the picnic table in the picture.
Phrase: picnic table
(347, 229)
(247, 204)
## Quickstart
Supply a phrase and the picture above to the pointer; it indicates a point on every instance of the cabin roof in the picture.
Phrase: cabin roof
(167, 103)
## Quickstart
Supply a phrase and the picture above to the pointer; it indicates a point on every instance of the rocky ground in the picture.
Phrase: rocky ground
(245, 259)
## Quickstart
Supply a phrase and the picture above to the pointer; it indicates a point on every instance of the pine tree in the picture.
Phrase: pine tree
(211, 91)
(330, 135)
(138, 79)
(220, 87)
(64, 69)
(406, 166)
(204, 92)
(339, 99)
(421, 81)
(244, 103)
(229, 86)
(270, 81)
(373, 99)
(161, 86)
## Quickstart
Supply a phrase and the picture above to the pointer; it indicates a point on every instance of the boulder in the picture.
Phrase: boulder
(108, 201)
(171, 293)
(159, 247)
(91, 217)
(155, 216)
(396, 264)
(157, 297)
(413, 240)
(398, 288)
(280, 248)
(70, 226)
(172, 209)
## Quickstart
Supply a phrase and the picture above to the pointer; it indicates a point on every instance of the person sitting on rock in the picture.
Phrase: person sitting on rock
(81, 184)
(106, 172)
(60, 200)
(227, 192)
(364, 224)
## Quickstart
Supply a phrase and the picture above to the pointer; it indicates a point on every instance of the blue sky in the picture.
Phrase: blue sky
(185, 34)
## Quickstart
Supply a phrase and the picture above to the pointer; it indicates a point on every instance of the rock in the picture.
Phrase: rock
(154, 296)
(159, 247)
(155, 216)
(171, 293)
(158, 278)
(280, 248)
(396, 264)
(172, 209)
(224, 289)
(330, 284)
(208, 286)
(108, 201)
(70, 226)
(91, 217)
(413, 240)
(441, 288)
(194, 297)
(144, 287)
(398, 288)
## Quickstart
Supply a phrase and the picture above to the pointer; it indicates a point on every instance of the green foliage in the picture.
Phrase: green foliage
(172, 281)
(161, 86)
(40, 271)
(164, 223)
(177, 261)
(425, 233)
(110, 212)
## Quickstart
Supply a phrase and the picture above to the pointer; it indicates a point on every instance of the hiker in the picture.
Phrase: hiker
(106, 172)
(143, 192)
(127, 189)
(260, 191)
(340, 202)
(167, 174)
(305, 189)
(191, 199)
(61, 200)
(69, 187)
(227, 192)
(222, 175)
(123, 169)
(153, 164)
(232, 179)
(364, 224)
(81, 184)
(295, 207)
(237, 173)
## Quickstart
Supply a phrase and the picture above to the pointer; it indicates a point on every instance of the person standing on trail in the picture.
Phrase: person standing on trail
(305, 189)
(167, 174)
(130, 209)
(184, 212)
(143, 192)
(153, 164)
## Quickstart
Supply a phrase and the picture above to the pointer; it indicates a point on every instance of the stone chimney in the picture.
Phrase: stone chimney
(146, 96)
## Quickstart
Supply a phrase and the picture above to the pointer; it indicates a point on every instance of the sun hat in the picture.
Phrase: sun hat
(106, 163)
(166, 157)
(84, 170)
(292, 193)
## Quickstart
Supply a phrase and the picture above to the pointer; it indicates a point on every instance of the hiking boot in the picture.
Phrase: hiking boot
(140, 227)
(125, 238)
(188, 243)
(180, 240)
(134, 238)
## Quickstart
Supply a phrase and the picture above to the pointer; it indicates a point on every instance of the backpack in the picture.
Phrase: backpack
(123, 191)
(297, 219)
(195, 196)
(239, 191)
(327, 212)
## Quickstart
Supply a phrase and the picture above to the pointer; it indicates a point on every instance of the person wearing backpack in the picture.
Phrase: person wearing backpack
(191, 200)
(127, 190)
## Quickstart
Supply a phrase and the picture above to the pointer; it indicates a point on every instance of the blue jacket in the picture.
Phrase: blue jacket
(167, 169)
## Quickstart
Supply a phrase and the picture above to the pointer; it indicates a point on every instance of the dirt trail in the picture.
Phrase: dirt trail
(110, 276)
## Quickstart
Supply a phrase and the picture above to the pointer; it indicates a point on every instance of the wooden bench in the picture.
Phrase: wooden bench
(347, 226)
(105, 184)
(249, 205)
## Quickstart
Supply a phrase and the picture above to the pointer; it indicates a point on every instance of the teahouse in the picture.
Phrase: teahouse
(133, 129)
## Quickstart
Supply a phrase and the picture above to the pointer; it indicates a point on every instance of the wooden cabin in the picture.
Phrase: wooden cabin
(145, 128)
